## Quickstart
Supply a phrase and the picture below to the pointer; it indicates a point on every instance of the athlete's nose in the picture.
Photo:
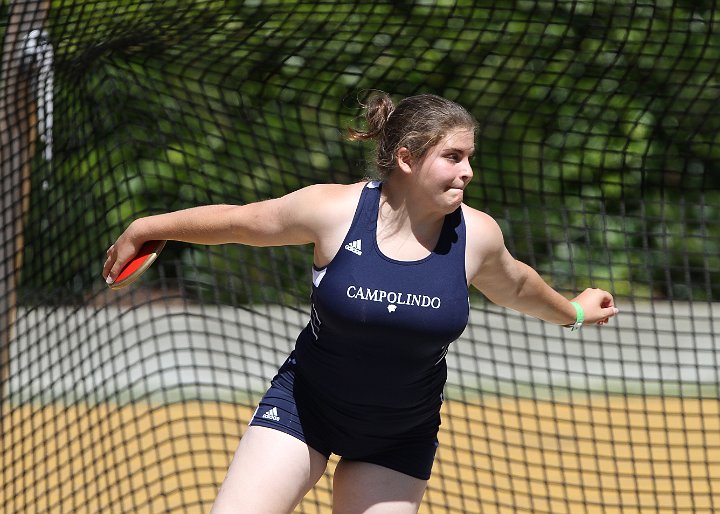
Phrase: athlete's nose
(467, 171)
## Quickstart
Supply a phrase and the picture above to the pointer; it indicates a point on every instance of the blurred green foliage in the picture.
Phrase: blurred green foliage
(598, 148)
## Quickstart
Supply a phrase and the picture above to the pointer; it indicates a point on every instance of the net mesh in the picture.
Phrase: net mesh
(598, 153)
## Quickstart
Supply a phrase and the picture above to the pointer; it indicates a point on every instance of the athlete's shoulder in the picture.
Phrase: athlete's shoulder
(480, 224)
(330, 209)
(332, 191)
(329, 199)
(484, 239)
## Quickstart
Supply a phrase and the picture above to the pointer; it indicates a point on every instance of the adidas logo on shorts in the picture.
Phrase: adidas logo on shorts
(355, 246)
(272, 415)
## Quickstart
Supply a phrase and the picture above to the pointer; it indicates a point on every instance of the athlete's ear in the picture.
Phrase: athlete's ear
(404, 160)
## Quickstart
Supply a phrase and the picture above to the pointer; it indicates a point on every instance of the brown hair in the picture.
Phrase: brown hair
(417, 123)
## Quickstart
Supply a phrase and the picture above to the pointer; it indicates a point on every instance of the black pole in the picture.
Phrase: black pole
(18, 131)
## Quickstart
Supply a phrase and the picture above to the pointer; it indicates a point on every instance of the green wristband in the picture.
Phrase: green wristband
(579, 316)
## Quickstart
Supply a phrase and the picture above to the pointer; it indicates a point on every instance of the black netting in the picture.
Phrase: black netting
(598, 153)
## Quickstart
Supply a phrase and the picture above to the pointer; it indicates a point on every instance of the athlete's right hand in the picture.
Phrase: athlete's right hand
(121, 251)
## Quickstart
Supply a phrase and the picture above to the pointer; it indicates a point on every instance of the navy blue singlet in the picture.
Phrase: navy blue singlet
(370, 365)
(366, 377)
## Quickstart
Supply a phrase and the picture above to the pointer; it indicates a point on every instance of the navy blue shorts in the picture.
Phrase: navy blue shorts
(278, 410)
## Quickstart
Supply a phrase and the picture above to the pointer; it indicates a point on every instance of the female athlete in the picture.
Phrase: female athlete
(393, 261)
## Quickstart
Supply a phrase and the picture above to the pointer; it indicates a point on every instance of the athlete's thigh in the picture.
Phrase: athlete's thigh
(270, 474)
(365, 488)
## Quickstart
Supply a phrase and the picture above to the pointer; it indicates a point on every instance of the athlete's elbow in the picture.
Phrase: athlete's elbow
(513, 291)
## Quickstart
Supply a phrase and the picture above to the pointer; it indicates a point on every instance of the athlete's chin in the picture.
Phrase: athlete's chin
(454, 198)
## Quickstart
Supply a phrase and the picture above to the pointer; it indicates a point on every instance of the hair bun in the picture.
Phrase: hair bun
(378, 110)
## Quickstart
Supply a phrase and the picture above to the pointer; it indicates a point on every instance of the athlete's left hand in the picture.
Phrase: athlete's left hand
(598, 305)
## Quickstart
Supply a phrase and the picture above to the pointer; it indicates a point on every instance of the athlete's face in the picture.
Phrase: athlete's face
(445, 170)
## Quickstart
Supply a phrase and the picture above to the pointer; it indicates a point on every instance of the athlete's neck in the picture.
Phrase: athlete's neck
(405, 230)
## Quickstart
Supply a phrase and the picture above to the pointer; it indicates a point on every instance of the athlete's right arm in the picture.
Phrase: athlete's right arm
(299, 217)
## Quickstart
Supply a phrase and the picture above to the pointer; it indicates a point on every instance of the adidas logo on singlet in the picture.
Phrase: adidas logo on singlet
(272, 415)
(355, 246)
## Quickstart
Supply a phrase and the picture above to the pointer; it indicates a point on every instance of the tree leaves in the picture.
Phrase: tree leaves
(598, 146)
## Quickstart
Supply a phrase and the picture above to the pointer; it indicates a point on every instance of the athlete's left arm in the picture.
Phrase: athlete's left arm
(511, 283)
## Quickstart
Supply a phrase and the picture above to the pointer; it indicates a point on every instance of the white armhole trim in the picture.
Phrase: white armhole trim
(318, 275)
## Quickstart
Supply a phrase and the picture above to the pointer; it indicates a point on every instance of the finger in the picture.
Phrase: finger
(111, 254)
(108, 265)
(607, 314)
(114, 271)
(113, 266)
(607, 301)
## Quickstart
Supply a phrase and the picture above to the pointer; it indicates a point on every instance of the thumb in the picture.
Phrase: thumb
(607, 313)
